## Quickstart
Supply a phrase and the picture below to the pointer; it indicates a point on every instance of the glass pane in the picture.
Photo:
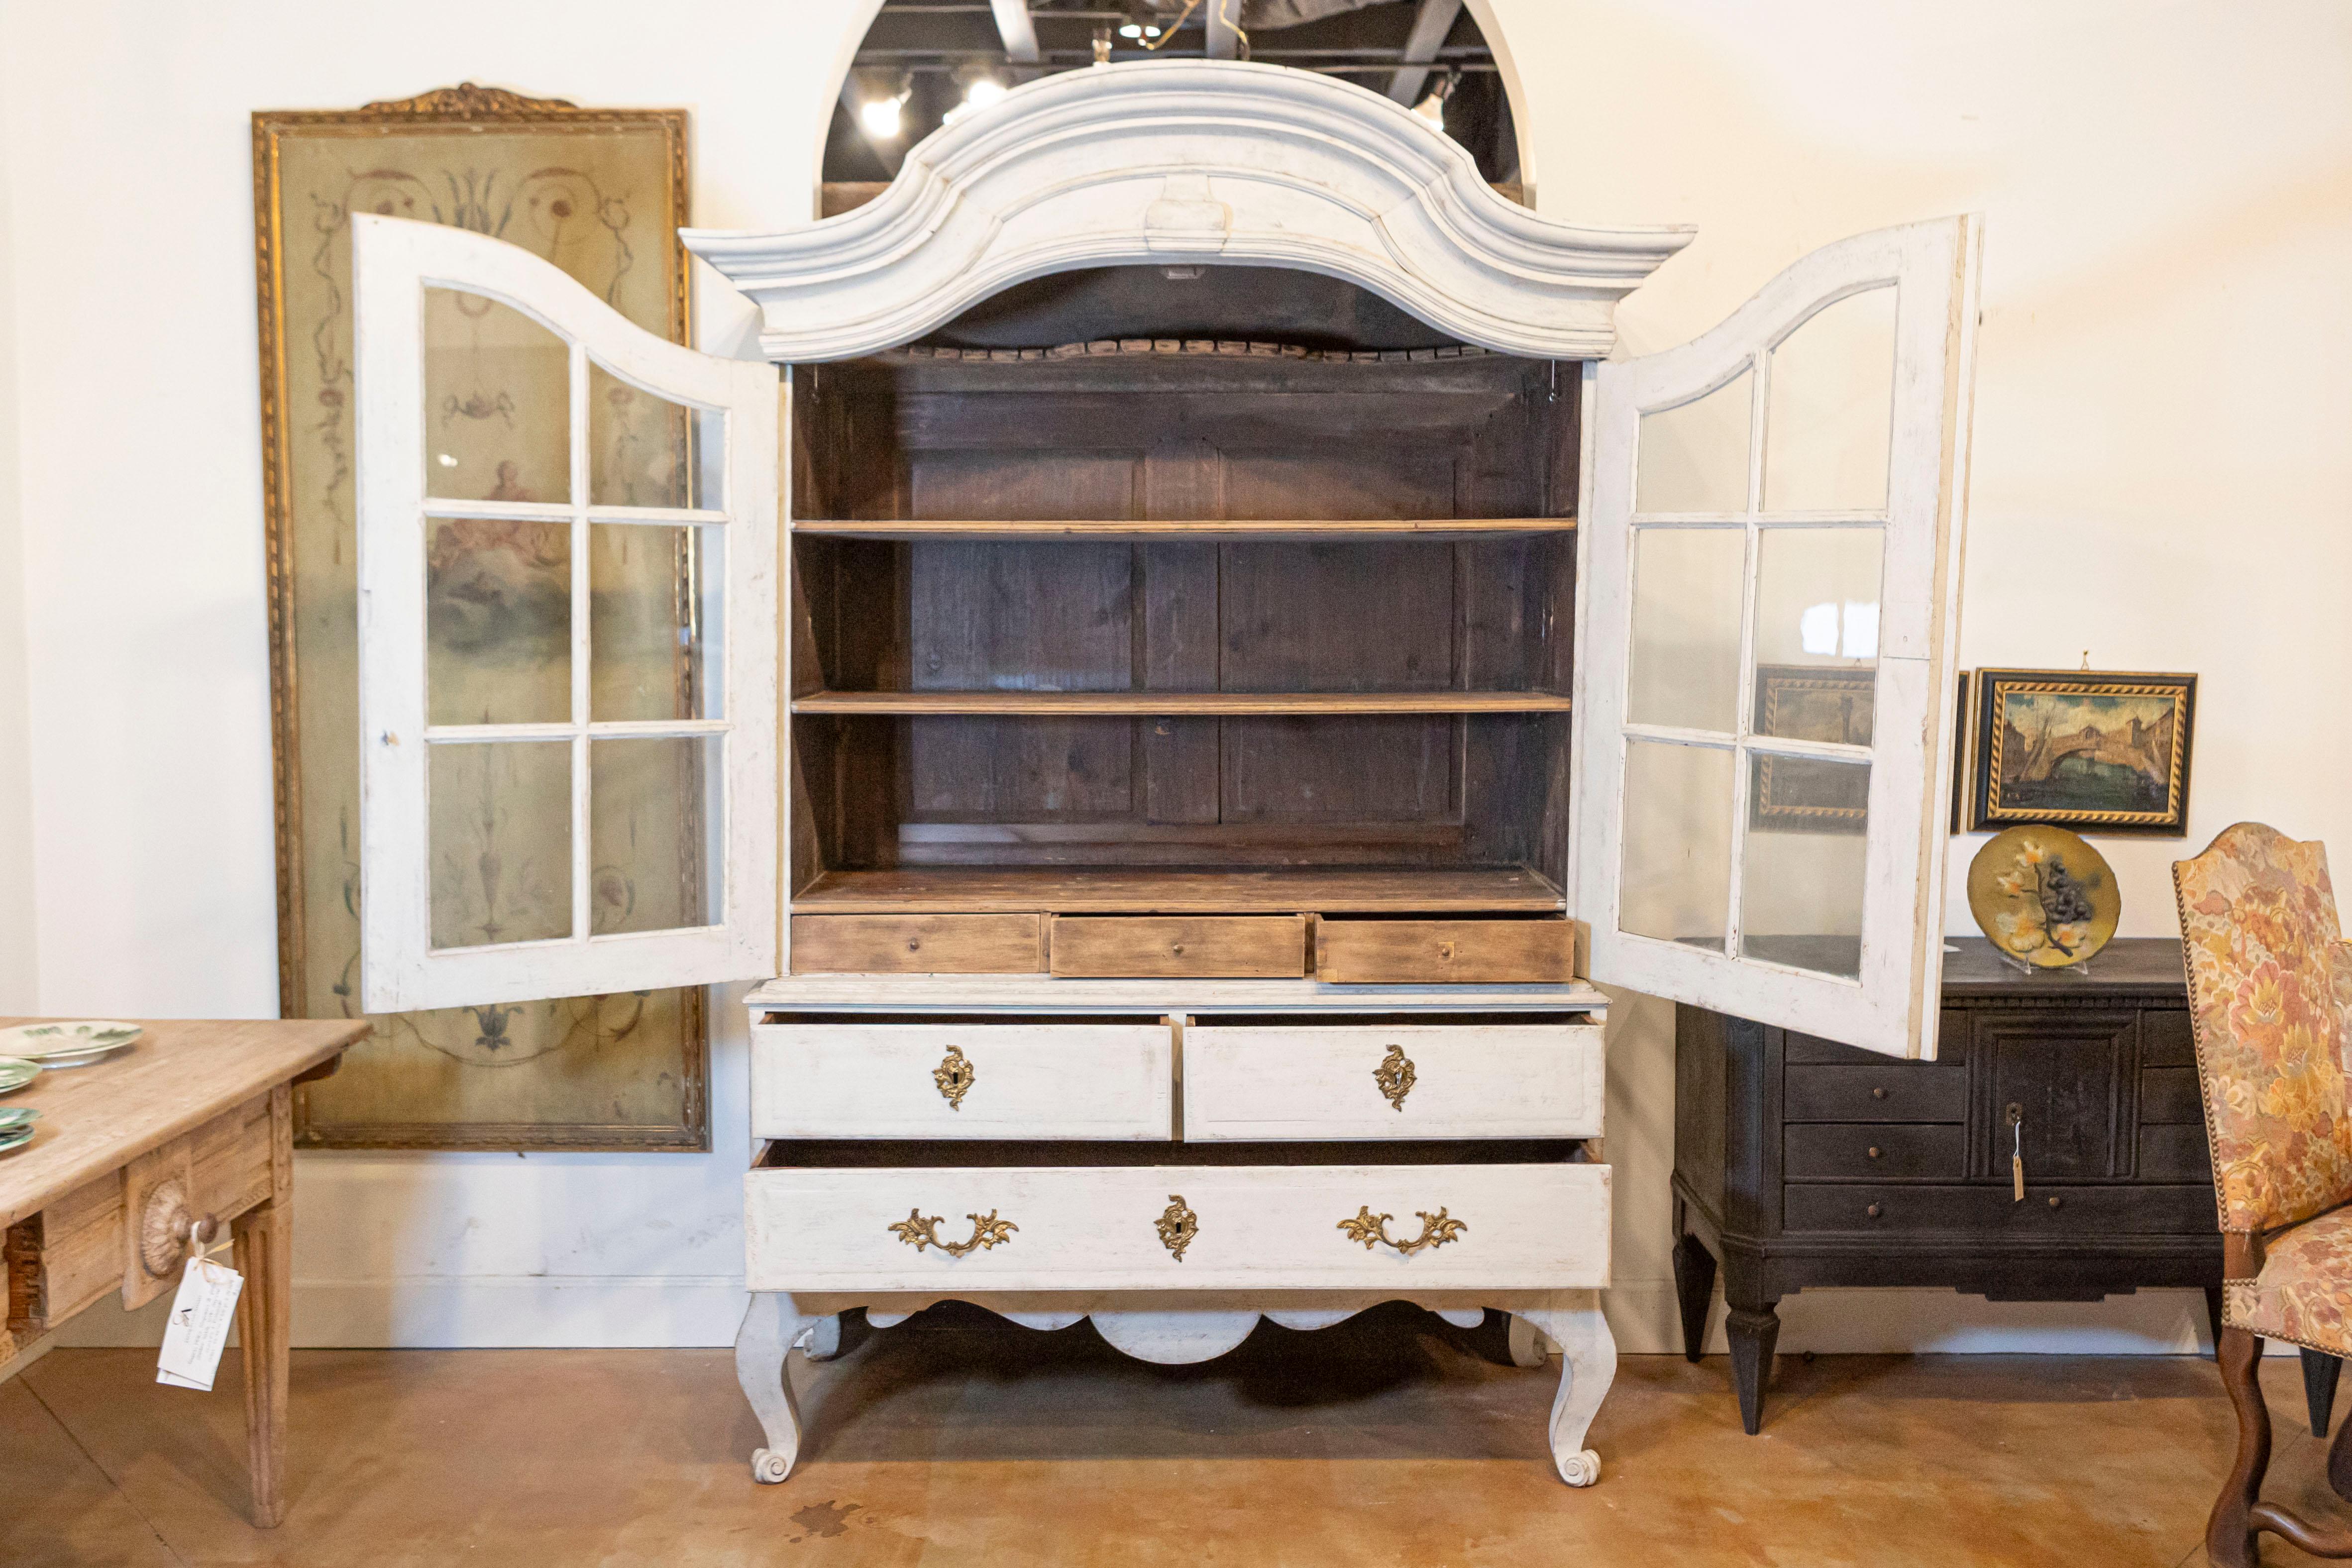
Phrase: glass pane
(1831, 409)
(654, 826)
(1683, 667)
(652, 594)
(497, 402)
(647, 451)
(1801, 869)
(501, 829)
(1694, 458)
(498, 620)
(1817, 632)
(1677, 864)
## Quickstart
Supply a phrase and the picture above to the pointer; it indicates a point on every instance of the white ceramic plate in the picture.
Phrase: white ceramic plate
(15, 1072)
(84, 1038)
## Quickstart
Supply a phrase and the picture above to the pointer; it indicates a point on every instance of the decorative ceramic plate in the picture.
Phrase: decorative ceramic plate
(15, 1072)
(16, 1118)
(51, 1041)
(18, 1139)
(2044, 897)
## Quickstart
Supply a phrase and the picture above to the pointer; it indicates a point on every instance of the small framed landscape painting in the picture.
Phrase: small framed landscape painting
(2097, 752)
(1800, 701)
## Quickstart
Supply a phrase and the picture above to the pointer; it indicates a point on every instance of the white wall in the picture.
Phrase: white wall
(2162, 477)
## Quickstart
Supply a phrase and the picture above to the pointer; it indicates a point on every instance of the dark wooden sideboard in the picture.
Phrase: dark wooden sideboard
(1801, 1163)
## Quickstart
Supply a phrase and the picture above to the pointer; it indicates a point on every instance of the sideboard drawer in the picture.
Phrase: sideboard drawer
(1444, 952)
(1392, 1080)
(951, 1079)
(1506, 1227)
(1988, 1209)
(1177, 946)
(1829, 1151)
(918, 944)
(1897, 1092)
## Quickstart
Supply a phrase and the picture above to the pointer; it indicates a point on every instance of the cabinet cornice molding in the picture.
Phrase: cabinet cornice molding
(1184, 163)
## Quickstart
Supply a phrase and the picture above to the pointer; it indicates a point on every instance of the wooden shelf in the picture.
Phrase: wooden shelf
(1304, 531)
(1179, 704)
(948, 889)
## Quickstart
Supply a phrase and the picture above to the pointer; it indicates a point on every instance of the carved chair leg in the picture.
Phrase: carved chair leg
(1694, 1291)
(2230, 1529)
(1588, 1364)
(2319, 1372)
(770, 1326)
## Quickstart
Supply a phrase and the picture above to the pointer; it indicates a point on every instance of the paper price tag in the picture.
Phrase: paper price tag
(198, 1327)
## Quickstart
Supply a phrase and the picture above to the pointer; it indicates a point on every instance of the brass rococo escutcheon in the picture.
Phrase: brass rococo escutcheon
(1395, 1076)
(954, 1076)
(1177, 1226)
(1372, 1230)
(918, 1232)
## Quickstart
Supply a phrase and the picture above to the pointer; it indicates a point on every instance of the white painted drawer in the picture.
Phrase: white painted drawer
(1259, 1227)
(1025, 1081)
(1465, 1081)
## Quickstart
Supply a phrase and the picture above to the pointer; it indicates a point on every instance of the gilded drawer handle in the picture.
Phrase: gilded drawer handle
(1395, 1076)
(1373, 1230)
(918, 1232)
(1177, 1226)
(954, 1076)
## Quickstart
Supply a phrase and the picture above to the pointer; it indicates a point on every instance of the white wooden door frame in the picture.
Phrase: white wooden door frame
(395, 261)
(1892, 1008)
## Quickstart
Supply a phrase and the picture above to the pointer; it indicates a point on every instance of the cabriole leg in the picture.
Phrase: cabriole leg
(770, 1327)
(2230, 1531)
(1587, 1365)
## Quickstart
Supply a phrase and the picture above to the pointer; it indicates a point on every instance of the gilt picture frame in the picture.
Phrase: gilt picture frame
(1826, 703)
(2098, 752)
(601, 193)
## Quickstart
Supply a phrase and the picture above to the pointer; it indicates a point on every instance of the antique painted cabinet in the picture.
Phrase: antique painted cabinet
(1177, 785)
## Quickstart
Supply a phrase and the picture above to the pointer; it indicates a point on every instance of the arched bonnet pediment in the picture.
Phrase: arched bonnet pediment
(1186, 163)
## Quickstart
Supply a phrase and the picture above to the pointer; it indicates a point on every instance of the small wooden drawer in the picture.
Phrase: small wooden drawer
(2174, 1152)
(1989, 1211)
(1392, 1080)
(951, 1080)
(2166, 1039)
(1826, 1151)
(2170, 1094)
(127, 1231)
(1257, 1228)
(1897, 1092)
(1156, 946)
(1442, 952)
(918, 944)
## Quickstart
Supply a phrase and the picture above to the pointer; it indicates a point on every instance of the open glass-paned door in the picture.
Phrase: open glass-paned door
(567, 568)
(1772, 578)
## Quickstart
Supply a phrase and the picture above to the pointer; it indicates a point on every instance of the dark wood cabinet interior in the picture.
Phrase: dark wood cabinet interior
(1065, 624)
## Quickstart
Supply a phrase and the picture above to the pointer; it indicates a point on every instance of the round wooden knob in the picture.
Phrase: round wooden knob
(1874, 1151)
(167, 1225)
(1878, 1094)
(2057, 1202)
(1871, 1211)
(914, 943)
(1177, 948)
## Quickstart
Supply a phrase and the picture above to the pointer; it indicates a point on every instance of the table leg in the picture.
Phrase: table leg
(264, 1237)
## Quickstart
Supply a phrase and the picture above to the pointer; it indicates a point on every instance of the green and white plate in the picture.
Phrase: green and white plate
(15, 1140)
(15, 1072)
(16, 1118)
(75, 1044)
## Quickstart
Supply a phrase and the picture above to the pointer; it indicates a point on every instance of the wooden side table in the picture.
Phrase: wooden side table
(193, 1123)
(1803, 1163)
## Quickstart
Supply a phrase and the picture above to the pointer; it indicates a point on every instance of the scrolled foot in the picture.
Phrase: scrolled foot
(768, 1466)
(1581, 1469)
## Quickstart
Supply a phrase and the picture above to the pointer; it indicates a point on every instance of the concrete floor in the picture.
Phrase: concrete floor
(1387, 1440)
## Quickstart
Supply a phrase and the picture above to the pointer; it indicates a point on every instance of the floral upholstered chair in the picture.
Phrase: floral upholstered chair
(2270, 994)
